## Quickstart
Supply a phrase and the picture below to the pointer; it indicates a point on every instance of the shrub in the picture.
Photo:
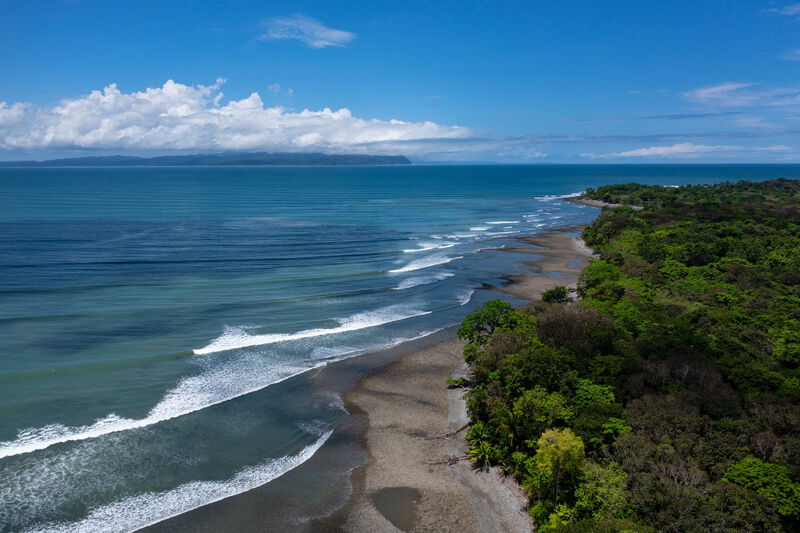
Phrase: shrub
(555, 295)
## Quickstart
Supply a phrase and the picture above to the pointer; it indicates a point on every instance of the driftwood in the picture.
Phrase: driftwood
(452, 433)
(451, 460)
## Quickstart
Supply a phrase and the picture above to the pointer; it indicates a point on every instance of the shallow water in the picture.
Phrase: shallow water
(152, 319)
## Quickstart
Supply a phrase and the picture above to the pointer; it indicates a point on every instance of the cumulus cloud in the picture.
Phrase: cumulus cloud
(189, 117)
(307, 30)
(684, 149)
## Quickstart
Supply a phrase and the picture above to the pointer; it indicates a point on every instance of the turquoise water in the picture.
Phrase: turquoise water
(152, 319)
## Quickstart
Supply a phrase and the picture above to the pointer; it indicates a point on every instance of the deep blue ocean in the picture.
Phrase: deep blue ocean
(149, 315)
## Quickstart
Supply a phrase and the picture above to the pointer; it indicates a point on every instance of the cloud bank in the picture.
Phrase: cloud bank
(188, 117)
(307, 30)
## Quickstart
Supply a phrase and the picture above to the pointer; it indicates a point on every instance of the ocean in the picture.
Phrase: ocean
(158, 326)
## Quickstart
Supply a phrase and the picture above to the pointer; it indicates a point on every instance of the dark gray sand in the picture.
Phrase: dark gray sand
(412, 431)
(386, 466)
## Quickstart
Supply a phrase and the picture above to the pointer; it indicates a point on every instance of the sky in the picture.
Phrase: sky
(516, 82)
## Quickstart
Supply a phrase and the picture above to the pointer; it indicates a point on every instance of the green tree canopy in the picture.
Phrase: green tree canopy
(770, 480)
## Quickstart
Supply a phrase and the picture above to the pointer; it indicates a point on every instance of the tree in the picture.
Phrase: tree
(602, 492)
(484, 454)
(536, 410)
(556, 295)
(559, 457)
(589, 392)
(769, 480)
(479, 325)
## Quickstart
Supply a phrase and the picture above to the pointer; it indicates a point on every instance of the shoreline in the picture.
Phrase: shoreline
(582, 200)
(398, 410)
(414, 428)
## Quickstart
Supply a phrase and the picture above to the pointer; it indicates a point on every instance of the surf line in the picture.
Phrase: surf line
(174, 404)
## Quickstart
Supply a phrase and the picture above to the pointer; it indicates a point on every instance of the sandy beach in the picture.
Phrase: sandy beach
(396, 444)
(582, 200)
(415, 429)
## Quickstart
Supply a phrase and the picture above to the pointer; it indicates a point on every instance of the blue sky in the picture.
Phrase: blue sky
(571, 81)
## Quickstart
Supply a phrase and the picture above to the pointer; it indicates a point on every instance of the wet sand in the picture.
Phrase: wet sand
(412, 430)
(561, 256)
(386, 466)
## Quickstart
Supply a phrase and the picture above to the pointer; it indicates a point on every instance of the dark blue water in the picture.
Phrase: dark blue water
(148, 315)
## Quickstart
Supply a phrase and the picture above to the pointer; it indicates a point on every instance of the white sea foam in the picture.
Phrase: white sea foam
(427, 246)
(234, 338)
(191, 394)
(466, 297)
(425, 262)
(218, 383)
(151, 507)
(498, 222)
(422, 280)
(479, 228)
(551, 197)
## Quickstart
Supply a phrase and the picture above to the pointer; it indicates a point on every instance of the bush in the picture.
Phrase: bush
(556, 295)
(456, 383)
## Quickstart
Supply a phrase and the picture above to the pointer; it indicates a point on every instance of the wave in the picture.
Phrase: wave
(217, 384)
(422, 280)
(426, 262)
(234, 338)
(497, 222)
(466, 297)
(190, 395)
(152, 507)
(430, 246)
(479, 228)
(551, 197)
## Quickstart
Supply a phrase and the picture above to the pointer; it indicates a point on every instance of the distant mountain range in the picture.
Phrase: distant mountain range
(252, 159)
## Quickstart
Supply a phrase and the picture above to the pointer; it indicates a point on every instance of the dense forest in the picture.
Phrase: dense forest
(667, 398)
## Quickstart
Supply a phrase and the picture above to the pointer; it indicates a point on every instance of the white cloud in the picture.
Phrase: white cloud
(791, 55)
(11, 114)
(684, 150)
(188, 117)
(727, 94)
(275, 88)
(733, 94)
(305, 29)
(789, 9)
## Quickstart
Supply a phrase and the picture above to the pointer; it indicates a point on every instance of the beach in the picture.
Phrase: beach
(583, 200)
(398, 461)
(417, 478)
